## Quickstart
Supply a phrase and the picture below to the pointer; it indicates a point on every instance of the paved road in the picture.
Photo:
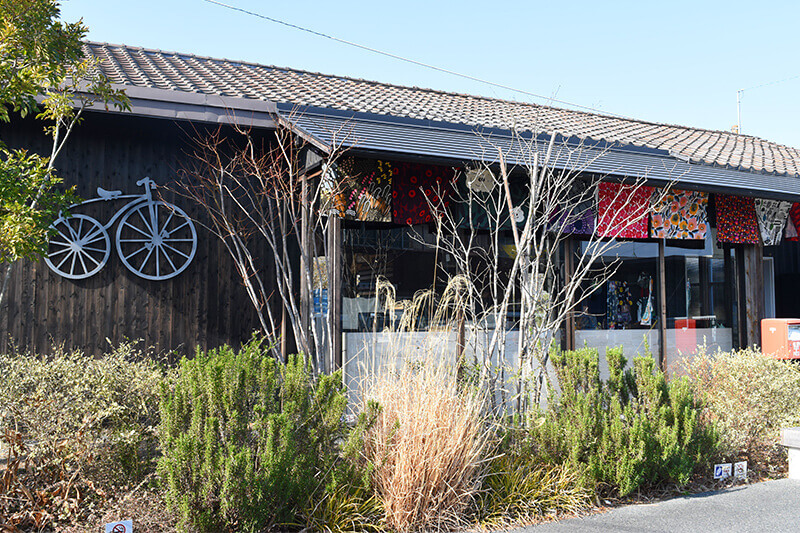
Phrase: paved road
(761, 507)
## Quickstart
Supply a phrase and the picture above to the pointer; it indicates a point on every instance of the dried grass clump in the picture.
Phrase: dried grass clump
(426, 446)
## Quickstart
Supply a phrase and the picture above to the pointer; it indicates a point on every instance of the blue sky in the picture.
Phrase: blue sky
(676, 62)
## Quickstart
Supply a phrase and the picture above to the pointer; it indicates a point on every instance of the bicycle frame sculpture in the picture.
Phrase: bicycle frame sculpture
(155, 239)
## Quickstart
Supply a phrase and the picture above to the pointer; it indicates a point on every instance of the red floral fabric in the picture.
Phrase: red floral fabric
(622, 210)
(736, 219)
(416, 188)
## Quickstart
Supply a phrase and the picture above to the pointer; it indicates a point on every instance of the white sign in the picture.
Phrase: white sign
(740, 470)
(126, 526)
(722, 471)
(480, 180)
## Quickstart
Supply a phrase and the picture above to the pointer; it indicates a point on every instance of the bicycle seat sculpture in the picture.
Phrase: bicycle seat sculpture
(155, 239)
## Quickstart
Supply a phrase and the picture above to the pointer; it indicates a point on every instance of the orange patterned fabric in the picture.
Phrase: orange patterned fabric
(680, 215)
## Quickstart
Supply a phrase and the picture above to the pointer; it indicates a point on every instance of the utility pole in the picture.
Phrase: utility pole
(739, 111)
(739, 99)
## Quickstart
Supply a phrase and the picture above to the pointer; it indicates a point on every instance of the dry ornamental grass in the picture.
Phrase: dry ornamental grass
(426, 446)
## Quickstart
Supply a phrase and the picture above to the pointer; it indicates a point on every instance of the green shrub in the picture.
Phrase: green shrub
(348, 502)
(518, 488)
(635, 428)
(247, 442)
(79, 428)
(748, 396)
(345, 508)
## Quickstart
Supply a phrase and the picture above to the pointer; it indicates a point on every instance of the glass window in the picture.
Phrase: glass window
(699, 300)
(620, 305)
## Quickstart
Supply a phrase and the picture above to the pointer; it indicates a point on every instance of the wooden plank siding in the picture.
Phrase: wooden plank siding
(204, 306)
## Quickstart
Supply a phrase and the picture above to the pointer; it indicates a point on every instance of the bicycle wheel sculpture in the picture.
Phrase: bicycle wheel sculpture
(156, 240)
(80, 247)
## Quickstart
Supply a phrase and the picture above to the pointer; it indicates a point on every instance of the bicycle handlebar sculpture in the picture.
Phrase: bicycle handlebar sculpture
(155, 240)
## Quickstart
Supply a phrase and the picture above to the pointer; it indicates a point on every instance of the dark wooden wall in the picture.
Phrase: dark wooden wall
(204, 306)
(787, 278)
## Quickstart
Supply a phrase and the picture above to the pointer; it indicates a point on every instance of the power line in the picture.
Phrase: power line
(407, 60)
(769, 83)
(739, 98)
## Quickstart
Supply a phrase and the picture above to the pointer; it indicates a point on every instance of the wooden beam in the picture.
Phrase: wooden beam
(461, 341)
(741, 297)
(729, 291)
(285, 348)
(306, 266)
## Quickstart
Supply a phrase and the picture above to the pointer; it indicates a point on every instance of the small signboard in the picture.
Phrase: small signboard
(126, 526)
(722, 471)
(320, 301)
(740, 470)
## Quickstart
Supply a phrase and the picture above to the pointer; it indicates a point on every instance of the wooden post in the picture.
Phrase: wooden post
(741, 297)
(284, 337)
(306, 268)
(730, 292)
(662, 305)
(462, 336)
(569, 270)
(754, 292)
(335, 290)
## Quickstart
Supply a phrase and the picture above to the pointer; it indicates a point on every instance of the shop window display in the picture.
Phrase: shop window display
(620, 309)
(623, 308)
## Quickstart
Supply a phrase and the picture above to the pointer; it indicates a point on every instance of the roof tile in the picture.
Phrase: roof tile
(189, 73)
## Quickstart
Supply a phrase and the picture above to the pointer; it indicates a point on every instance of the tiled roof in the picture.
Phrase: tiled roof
(189, 73)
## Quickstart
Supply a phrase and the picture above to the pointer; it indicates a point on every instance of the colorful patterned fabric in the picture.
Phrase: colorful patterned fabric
(794, 215)
(479, 210)
(790, 230)
(679, 215)
(579, 218)
(736, 219)
(646, 314)
(415, 185)
(364, 190)
(772, 216)
(622, 210)
(619, 304)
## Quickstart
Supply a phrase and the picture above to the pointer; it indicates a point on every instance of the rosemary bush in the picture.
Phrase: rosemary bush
(633, 429)
(247, 442)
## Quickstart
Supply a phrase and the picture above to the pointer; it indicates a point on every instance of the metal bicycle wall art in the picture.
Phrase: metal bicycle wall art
(155, 240)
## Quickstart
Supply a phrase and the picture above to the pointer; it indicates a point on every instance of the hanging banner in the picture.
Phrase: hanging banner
(679, 214)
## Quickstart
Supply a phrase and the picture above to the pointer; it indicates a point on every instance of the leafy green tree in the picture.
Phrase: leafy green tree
(43, 71)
